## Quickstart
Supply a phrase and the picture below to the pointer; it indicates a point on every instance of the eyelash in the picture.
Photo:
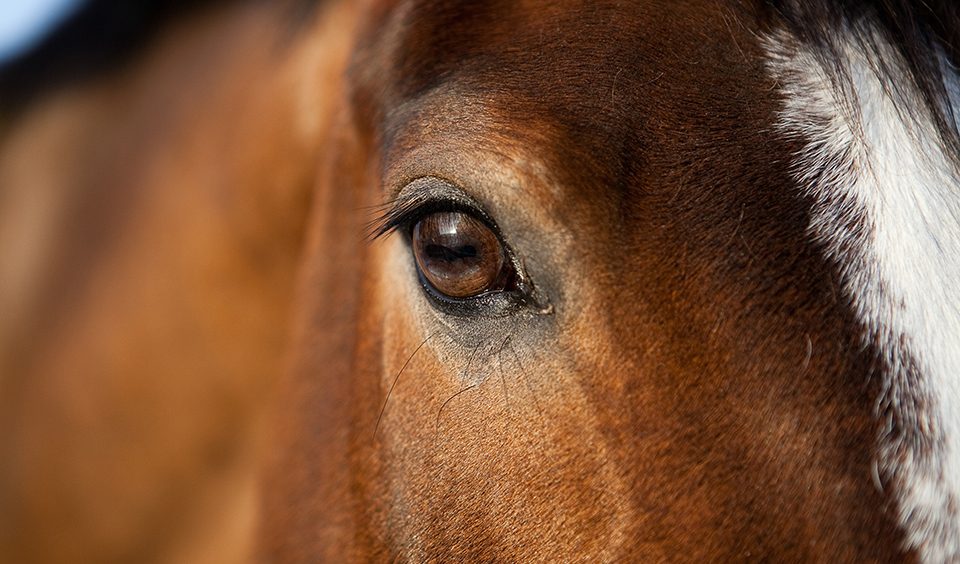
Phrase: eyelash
(402, 216)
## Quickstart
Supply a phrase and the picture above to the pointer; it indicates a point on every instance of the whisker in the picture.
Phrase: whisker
(503, 379)
(397, 379)
(463, 376)
(526, 381)
(450, 399)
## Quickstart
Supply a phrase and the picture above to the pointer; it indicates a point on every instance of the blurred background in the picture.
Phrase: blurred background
(150, 212)
(23, 23)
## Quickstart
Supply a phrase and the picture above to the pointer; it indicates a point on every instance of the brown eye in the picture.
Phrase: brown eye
(459, 255)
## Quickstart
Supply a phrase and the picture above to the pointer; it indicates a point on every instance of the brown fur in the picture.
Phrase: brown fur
(696, 392)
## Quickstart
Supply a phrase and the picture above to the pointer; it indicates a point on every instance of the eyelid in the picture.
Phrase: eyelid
(422, 197)
(404, 218)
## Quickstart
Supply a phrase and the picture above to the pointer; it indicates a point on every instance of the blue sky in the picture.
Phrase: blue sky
(24, 22)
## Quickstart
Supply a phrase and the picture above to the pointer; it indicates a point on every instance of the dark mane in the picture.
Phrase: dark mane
(923, 33)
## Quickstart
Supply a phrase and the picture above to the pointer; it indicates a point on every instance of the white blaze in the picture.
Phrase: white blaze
(887, 210)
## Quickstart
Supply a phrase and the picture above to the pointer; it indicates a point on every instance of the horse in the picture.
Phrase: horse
(437, 280)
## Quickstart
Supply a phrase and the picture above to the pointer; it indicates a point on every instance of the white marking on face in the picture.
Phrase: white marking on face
(887, 210)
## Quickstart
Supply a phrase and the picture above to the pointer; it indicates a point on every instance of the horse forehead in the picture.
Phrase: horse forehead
(562, 48)
(464, 26)
(589, 83)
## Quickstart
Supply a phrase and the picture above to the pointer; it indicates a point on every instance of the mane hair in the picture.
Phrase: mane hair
(924, 34)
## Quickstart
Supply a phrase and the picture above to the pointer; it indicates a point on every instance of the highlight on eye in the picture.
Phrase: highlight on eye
(459, 256)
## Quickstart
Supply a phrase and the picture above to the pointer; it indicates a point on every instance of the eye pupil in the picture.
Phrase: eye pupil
(459, 255)
(441, 252)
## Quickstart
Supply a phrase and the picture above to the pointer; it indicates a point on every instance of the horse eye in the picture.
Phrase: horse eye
(459, 256)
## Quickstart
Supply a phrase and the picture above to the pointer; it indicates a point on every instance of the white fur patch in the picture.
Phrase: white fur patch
(887, 209)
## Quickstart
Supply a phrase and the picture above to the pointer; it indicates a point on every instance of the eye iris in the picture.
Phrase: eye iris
(458, 254)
